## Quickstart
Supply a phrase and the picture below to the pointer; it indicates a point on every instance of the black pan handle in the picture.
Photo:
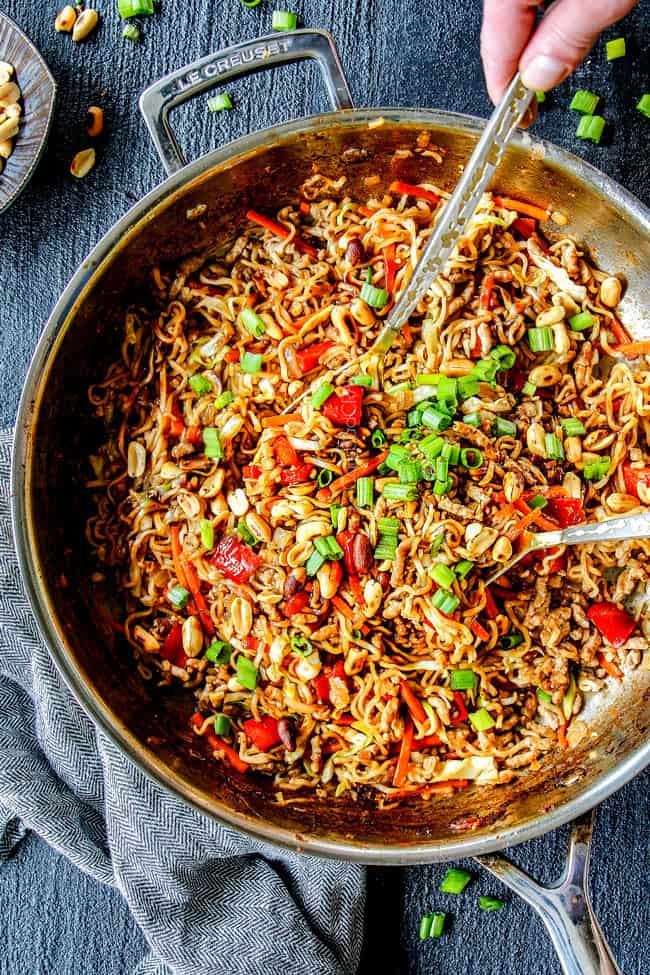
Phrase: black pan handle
(241, 59)
(565, 908)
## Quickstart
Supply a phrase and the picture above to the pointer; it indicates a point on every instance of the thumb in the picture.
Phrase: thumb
(564, 37)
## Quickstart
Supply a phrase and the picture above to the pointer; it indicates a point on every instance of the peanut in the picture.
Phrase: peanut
(94, 121)
(65, 20)
(610, 292)
(85, 24)
(192, 635)
(82, 163)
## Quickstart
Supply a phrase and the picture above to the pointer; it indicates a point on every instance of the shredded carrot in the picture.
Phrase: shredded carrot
(231, 756)
(194, 586)
(479, 630)
(343, 607)
(504, 513)
(412, 702)
(404, 755)
(304, 207)
(343, 482)
(434, 788)
(490, 606)
(280, 231)
(609, 666)
(366, 211)
(529, 209)
(177, 556)
(427, 741)
(280, 419)
(561, 735)
(633, 349)
(409, 189)
(621, 335)
(487, 290)
(517, 529)
(542, 520)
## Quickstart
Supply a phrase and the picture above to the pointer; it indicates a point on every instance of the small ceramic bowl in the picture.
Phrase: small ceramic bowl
(38, 93)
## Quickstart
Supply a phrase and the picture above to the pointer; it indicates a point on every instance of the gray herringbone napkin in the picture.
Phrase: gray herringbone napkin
(208, 899)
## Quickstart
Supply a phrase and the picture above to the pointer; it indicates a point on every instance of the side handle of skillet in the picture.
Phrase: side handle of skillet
(234, 62)
(565, 908)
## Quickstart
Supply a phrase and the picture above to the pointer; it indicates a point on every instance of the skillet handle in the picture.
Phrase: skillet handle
(566, 907)
(234, 62)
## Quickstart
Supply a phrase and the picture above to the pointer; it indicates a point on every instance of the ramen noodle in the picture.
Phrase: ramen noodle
(301, 534)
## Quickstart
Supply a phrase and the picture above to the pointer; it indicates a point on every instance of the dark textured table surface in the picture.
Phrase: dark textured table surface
(396, 52)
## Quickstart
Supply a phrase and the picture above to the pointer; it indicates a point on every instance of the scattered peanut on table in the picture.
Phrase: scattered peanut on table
(82, 163)
(10, 111)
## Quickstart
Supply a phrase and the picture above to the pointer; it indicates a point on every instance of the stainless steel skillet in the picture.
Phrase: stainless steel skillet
(55, 434)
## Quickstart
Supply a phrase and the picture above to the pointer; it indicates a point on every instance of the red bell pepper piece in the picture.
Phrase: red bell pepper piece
(296, 475)
(175, 422)
(344, 407)
(172, 648)
(321, 683)
(490, 606)
(525, 226)
(633, 476)
(252, 471)
(566, 511)
(296, 603)
(218, 744)
(232, 355)
(235, 559)
(310, 357)
(409, 189)
(285, 454)
(614, 624)
(479, 630)
(345, 540)
(263, 733)
(487, 292)
(460, 707)
(193, 434)
(280, 231)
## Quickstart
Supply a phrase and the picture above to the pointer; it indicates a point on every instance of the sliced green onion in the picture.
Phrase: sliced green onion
(365, 492)
(540, 96)
(539, 501)
(504, 428)
(591, 127)
(397, 455)
(472, 419)
(595, 470)
(134, 8)
(320, 395)
(482, 719)
(435, 419)
(386, 547)
(436, 543)
(220, 103)
(553, 447)
(584, 102)
(544, 695)
(443, 575)
(219, 652)
(490, 903)
(463, 680)
(485, 370)
(251, 362)
(397, 388)
(284, 20)
(438, 925)
(378, 437)
(540, 339)
(643, 105)
(448, 393)
(463, 569)
(471, 458)
(224, 399)
(245, 533)
(528, 389)
(250, 3)
(569, 698)
(431, 446)
(300, 644)
(573, 427)
(375, 297)
(325, 478)
(360, 381)
(425, 926)
(178, 597)
(315, 562)
(221, 725)
(581, 322)
(442, 468)
(468, 386)
(505, 356)
(335, 510)
(451, 453)
(200, 385)
(328, 547)
(455, 881)
(131, 32)
(388, 526)
(445, 601)
(428, 379)
(511, 640)
(252, 323)
(615, 49)
(400, 492)
(409, 472)
(207, 533)
(441, 486)
(246, 673)
(212, 443)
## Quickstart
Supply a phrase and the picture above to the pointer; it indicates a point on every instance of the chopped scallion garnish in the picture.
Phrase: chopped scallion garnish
(553, 447)
(178, 597)
(251, 363)
(246, 673)
(544, 695)
(471, 458)
(490, 903)
(400, 492)
(284, 20)
(573, 427)
(374, 297)
(435, 419)
(252, 323)
(207, 533)
(485, 370)
(377, 437)
(447, 602)
(448, 393)
(451, 453)
(511, 640)
(212, 443)
(443, 575)
(455, 881)
(481, 719)
(219, 652)
(431, 446)
(595, 470)
(335, 510)
(615, 49)
(360, 381)
(538, 501)
(591, 127)
(245, 533)
(320, 395)
(643, 105)
(200, 385)
(472, 419)
(221, 724)
(463, 680)
(220, 103)
(409, 472)
(135, 8)
(528, 389)
(325, 478)
(365, 492)
(315, 562)
(540, 339)
(388, 526)
(504, 428)
(224, 399)
(582, 321)
(584, 102)
(131, 32)
(504, 355)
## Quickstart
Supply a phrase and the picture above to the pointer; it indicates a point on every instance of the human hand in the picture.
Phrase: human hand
(559, 44)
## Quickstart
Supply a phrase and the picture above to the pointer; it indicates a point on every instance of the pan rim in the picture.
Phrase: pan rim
(61, 318)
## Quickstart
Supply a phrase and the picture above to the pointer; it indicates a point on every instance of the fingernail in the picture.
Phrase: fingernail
(544, 72)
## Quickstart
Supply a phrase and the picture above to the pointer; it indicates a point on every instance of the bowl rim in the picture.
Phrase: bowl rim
(145, 760)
